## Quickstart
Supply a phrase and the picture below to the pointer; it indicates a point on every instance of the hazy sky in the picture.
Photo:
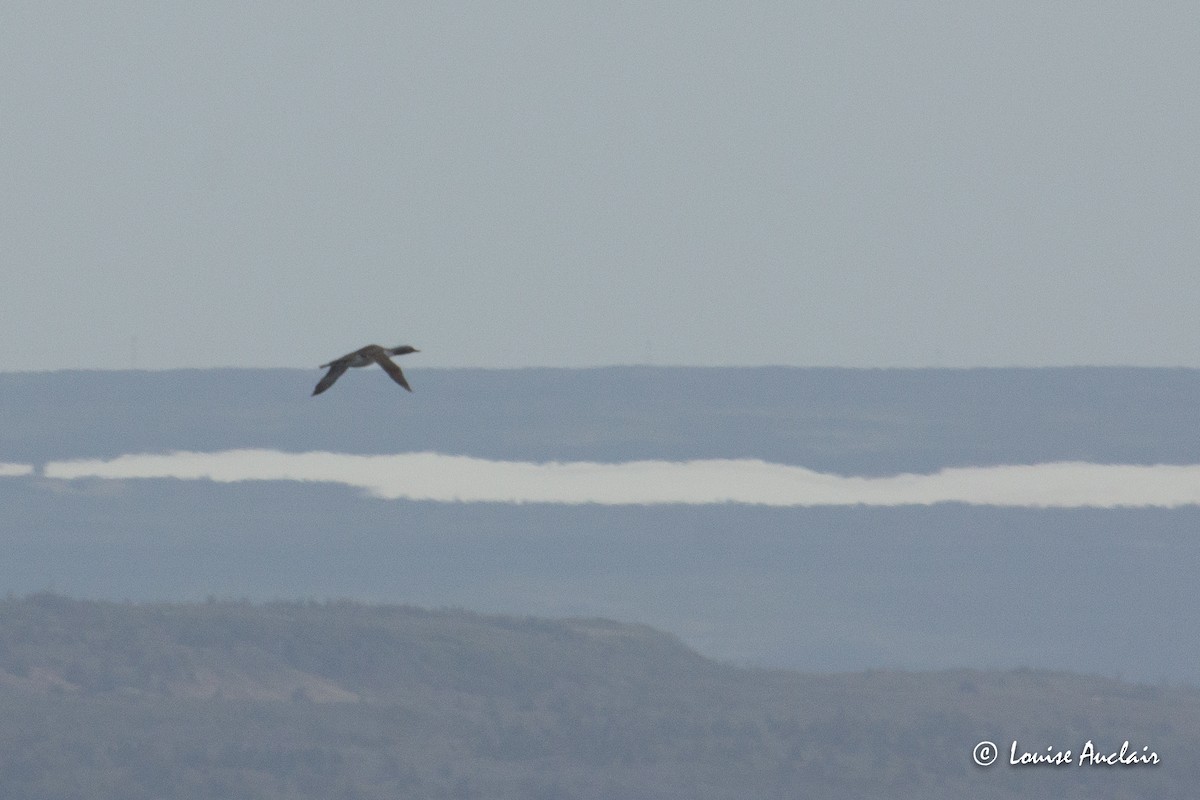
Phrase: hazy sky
(510, 184)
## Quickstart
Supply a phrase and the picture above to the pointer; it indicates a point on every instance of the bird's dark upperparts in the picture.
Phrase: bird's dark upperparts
(364, 357)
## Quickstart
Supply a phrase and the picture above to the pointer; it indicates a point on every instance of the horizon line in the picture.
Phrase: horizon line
(581, 368)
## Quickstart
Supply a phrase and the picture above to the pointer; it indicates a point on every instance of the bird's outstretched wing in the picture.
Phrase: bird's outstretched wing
(390, 368)
(336, 368)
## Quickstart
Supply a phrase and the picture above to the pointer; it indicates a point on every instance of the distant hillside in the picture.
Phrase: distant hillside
(340, 700)
(1083, 590)
(856, 421)
(819, 589)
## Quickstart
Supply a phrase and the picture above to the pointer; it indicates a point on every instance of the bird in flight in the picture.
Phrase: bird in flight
(371, 354)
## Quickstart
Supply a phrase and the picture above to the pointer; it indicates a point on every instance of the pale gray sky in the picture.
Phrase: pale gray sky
(512, 184)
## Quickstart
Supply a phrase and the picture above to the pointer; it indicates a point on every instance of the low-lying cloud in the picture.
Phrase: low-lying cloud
(14, 470)
(445, 478)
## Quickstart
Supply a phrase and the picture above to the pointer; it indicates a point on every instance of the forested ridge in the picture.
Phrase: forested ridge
(343, 700)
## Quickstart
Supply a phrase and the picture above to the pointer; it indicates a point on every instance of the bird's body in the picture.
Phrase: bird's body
(365, 357)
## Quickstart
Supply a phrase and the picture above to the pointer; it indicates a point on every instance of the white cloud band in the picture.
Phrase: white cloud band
(433, 476)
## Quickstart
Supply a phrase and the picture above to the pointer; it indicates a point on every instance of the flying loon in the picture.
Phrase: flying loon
(371, 354)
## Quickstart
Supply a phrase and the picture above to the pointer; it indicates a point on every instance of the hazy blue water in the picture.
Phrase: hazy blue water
(841, 587)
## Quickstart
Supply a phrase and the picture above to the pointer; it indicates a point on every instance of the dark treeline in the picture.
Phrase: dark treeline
(342, 700)
(852, 421)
